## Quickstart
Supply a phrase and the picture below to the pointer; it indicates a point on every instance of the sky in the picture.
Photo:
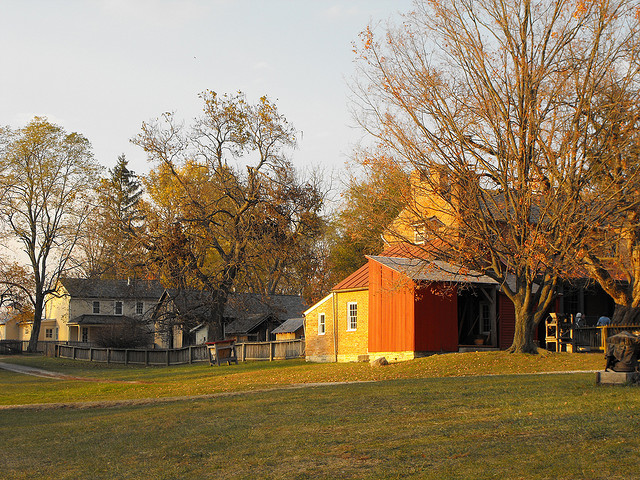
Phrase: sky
(102, 67)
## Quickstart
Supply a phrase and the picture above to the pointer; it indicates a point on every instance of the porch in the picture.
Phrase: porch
(477, 318)
(563, 336)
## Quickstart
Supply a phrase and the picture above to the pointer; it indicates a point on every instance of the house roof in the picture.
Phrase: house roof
(87, 320)
(282, 307)
(290, 326)
(358, 279)
(120, 289)
(407, 250)
(246, 311)
(250, 310)
(433, 271)
(247, 323)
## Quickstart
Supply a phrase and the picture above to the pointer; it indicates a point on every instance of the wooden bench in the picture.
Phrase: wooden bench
(222, 351)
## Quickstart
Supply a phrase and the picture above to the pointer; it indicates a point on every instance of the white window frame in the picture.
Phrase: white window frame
(48, 333)
(352, 320)
(84, 334)
(139, 311)
(322, 324)
(96, 307)
(115, 307)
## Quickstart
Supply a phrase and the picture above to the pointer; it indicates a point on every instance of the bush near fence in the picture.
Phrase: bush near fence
(279, 350)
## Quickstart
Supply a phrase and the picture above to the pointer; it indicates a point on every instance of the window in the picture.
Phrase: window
(85, 334)
(321, 324)
(96, 307)
(117, 308)
(485, 317)
(419, 234)
(352, 316)
(139, 308)
(48, 333)
(56, 333)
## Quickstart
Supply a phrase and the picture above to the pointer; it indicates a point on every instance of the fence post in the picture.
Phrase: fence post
(271, 351)
(126, 356)
(604, 338)
(90, 354)
(108, 355)
(146, 358)
(74, 352)
(244, 352)
(168, 361)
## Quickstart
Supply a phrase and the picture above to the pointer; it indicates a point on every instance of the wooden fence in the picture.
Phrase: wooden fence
(10, 347)
(595, 338)
(279, 350)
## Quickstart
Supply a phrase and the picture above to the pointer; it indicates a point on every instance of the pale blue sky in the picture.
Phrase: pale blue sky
(102, 67)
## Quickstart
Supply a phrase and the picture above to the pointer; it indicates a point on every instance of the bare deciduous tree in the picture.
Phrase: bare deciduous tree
(212, 193)
(490, 102)
(45, 177)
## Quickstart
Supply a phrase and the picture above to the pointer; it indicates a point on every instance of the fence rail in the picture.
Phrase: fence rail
(595, 338)
(279, 350)
(10, 347)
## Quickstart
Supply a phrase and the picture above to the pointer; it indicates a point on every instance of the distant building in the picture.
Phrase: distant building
(82, 308)
(181, 316)
(291, 329)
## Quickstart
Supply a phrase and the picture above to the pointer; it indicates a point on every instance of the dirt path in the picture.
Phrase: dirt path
(38, 372)
(159, 400)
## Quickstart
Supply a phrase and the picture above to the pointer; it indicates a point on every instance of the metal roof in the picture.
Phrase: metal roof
(358, 279)
(290, 326)
(433, 271)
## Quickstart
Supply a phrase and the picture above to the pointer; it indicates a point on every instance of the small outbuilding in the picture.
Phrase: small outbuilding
(291, 329)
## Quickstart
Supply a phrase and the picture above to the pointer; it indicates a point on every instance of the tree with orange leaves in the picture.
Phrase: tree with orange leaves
(490, 103)
(226, 208)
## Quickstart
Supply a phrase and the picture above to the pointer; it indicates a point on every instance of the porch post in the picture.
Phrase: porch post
(493, 316)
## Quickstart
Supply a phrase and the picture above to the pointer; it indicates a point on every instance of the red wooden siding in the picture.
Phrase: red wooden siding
(437, 319)
(391, 310)
(506, 322)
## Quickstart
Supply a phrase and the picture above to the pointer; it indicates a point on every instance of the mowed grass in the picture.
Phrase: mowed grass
(432, 418)
(507, 427)
(202, 379)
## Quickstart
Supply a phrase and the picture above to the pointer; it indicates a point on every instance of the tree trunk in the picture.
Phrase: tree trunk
(625, 315)
(35, 330)
(523, 338)
(216, 320)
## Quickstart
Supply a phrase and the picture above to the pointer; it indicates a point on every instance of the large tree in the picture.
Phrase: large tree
(612, 253)
(111, 243)
(489, 101)
(46, 176)
(374, 196)
(283, 255)
(217, 192)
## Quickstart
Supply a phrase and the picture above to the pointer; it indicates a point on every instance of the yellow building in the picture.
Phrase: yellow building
(336, 328)
(81, 308)
(9, 329)
(429, 214)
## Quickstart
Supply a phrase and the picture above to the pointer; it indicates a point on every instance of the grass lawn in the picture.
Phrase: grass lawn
(420, 420)
(201, 379)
